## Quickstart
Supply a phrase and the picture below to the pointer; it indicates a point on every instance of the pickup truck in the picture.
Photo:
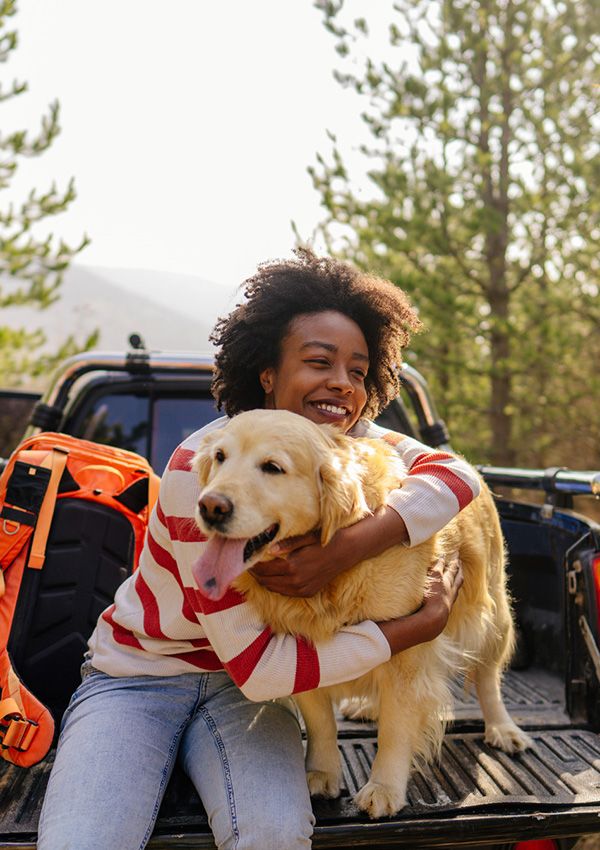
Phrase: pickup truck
(546, 797)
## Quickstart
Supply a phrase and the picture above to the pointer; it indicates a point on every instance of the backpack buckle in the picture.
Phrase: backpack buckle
(7, 530)
(19, 733)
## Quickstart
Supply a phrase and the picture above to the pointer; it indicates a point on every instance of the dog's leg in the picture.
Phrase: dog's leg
(323, 762)
(385, 792)
(500, 729)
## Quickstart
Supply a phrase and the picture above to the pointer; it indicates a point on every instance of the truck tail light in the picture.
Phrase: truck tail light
(596, 574)
(536, 844)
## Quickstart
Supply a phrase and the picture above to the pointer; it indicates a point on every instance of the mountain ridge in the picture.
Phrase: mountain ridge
(120, 302)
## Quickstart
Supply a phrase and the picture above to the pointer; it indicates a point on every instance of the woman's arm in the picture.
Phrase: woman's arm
(265, 665)
(437, 487)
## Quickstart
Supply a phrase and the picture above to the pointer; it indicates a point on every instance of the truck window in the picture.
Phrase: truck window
(119, 420)
(173, 420)
(152, 427)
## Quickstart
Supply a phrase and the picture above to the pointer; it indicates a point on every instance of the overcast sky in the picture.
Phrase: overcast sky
(188, 125)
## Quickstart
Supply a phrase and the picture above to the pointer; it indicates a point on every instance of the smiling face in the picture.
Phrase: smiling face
(321, 372)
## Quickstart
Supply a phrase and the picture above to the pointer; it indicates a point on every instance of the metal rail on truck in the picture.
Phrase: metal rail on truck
(49, 411)
(556, 480)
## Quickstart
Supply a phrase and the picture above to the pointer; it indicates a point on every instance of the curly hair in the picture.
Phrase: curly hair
(249, 338)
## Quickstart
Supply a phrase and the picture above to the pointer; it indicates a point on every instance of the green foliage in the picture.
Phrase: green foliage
(31, 269)
(485, 207)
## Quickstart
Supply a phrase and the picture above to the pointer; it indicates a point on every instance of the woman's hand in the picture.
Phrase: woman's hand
(303, 567)
(446, 579)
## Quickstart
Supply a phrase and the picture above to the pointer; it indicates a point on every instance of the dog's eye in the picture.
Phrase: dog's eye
(272, 468)
(219, 455)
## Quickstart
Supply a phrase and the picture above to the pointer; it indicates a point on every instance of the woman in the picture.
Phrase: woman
(171, 675)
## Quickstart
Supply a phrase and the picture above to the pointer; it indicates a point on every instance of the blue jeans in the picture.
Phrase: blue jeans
(119, 741)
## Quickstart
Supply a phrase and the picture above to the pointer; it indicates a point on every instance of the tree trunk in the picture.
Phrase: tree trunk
(502, 450)
(496, 199)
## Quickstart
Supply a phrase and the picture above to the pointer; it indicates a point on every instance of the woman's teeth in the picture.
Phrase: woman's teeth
(332, 408)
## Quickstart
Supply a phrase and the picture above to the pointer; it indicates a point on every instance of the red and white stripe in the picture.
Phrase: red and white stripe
(437, 487)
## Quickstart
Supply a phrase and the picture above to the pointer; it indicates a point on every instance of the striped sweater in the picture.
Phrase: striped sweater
(161, 625)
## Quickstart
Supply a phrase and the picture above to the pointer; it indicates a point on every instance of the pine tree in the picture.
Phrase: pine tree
(485, 207)
(31, 268)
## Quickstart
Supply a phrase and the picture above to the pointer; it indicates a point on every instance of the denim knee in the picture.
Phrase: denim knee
(289, 830)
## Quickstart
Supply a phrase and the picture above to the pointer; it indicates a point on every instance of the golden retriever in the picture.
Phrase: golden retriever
(269, 475)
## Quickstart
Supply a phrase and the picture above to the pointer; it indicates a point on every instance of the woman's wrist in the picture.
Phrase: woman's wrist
(421, 627)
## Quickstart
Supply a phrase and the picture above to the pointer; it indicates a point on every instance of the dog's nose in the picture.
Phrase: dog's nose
(215, 508)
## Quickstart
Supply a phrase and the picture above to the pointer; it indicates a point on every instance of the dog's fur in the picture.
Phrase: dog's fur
(331, 481)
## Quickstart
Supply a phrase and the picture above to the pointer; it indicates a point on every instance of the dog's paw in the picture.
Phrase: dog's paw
(358, 708)
(379, 800)
(323, 783)
(507, 737)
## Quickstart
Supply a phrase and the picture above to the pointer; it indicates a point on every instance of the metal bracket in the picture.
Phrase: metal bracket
(554, 499)
(572, 582)
(572, 578)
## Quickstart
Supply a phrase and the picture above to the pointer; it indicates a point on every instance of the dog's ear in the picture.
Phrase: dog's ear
(342, 498)
(203, 458)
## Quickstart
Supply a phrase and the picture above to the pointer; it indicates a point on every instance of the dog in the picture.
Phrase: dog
(271, 474)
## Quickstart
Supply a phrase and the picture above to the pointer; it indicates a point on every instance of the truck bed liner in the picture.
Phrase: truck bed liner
(562, 770)
(560, 774)
(532, 696)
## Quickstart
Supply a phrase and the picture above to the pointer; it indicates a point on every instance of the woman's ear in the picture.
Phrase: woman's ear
(342, 499)
(267, 382)
(266, 379)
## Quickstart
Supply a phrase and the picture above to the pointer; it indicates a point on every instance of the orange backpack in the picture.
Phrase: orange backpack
(73, 516)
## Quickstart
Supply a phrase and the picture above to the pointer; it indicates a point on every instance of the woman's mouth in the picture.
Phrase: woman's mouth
(330, 411)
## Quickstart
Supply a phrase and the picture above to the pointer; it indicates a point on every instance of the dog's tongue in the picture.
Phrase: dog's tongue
(220, 563)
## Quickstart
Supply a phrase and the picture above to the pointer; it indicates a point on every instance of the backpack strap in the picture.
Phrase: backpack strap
(26, 726)
(56, 463)
(153, 486)
(16, 730)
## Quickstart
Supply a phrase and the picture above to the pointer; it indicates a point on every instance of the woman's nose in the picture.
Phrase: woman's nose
(340, 381)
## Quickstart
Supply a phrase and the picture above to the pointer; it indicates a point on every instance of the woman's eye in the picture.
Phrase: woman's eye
(320, 361)
(219, 455)
(360, 374)
(272, 468)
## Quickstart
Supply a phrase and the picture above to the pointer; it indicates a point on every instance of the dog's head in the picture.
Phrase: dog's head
(268, 475)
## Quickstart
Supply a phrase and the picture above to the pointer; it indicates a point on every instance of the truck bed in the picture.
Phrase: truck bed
(556, 784)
